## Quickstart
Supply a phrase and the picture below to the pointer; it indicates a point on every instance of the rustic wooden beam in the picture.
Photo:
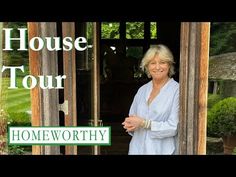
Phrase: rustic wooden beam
(95, 81)
(69, 65)
(35, 69)
(203, 87)
(194, 54)
(45, 102)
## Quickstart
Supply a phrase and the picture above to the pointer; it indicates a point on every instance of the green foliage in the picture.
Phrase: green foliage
(135, 30)
(15, 150)
(153, 30)
(210, 130)
(223, 37)
(3, 122)
(222, 117)
(110, 30)
(213, 99)
(19, 119)
(15, 57)
(234, 151)
(3, 132)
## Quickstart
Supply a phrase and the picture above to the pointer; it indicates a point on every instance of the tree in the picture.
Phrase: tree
(15, 57)
(223, 37)
(134, 30)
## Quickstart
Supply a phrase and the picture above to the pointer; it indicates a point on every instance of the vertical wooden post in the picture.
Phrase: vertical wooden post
(34, 67)
(95, 82)
(44, 102)
(203, 87)
(194, 54)
(68, 29)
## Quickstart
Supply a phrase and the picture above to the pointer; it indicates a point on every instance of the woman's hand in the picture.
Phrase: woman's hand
(132, 123)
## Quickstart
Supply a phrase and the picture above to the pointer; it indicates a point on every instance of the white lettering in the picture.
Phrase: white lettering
(38, 43)
(8, 38)
(45, 82)
(13, 74)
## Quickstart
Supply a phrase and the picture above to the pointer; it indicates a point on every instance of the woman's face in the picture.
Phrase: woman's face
(158, 69)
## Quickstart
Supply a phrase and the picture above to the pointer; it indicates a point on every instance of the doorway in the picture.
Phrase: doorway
(108, 74)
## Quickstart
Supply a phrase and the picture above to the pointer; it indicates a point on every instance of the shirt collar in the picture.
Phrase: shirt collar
(149, 88)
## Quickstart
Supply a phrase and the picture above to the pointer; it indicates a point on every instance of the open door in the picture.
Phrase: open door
(88, 82)
(95, 82)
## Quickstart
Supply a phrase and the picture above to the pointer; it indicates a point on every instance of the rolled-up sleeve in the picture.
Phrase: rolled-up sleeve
(168, 128)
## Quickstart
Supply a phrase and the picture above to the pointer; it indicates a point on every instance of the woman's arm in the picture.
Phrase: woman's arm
(163, 129)
(132, 111)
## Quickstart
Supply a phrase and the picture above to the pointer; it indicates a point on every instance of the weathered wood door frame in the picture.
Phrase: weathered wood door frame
(45, 103)
(95, 96)
(194, 54)
(194, 57)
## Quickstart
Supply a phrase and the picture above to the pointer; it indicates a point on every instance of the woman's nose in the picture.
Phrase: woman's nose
(158, 66)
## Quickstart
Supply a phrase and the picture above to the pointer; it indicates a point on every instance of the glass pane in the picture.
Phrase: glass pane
(136, 52)
(153, 30)
(134, 30)
(83, 59)
(134, 55)
(83, 78)
(110, 30)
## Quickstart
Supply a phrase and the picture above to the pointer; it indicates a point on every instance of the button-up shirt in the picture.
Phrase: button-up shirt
(163, 112)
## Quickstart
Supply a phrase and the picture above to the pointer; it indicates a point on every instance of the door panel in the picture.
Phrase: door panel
(88, 82)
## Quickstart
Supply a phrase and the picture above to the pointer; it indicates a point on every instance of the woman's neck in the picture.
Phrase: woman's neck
(158, 84)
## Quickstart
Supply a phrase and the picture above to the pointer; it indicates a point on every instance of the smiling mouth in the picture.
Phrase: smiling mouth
(158, 71)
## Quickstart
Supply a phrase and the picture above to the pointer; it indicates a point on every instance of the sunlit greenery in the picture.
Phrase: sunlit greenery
(134, 30)
(110, 30)
(153, 30)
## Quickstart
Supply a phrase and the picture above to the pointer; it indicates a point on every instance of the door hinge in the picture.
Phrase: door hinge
(64, 107)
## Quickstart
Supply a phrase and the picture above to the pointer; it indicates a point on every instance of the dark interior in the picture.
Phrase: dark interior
(120, 78)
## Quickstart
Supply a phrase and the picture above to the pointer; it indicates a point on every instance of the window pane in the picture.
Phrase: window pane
(136, 52)
(110, 30)
(134, 30)
(134, 55)
(153, 30)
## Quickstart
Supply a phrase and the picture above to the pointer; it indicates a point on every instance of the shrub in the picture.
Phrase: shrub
(3, 132)
(234, 151)
(210, 130)
(213, 99)
(222, 117)
(19, 119)
(15, 150)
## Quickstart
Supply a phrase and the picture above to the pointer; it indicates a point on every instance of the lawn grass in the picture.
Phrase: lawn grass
(16, 98)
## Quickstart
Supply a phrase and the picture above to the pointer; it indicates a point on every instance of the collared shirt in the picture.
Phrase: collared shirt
(163, 111)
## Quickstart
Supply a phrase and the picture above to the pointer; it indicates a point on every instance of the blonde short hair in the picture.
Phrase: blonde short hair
(165, 55)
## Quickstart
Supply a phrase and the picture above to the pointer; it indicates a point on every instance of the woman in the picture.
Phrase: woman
(153, 116)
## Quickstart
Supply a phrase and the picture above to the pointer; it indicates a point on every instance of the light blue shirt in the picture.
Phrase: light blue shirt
(163, 111)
